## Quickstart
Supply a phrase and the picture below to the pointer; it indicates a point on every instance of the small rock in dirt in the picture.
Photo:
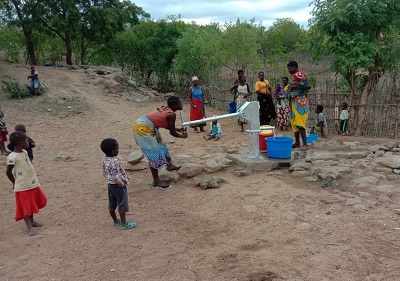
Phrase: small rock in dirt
(396, 171)
(301, 166)
(300, 173)
(360, 207)
(328, 212)
(190, 170)
(391, 161)
(134, 167)
(135, 157)
(209, 182)
(377, 147)
(168, 176)
(387, 189)
(379, 153)
(332, 198)
(250, 208)
(366, 181)
(242, 173)
(353, 201)
(63, 157)
(303, 226)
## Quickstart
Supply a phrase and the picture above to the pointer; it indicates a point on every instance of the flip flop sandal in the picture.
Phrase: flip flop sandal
(118, 223)
(176, 168)
(163, 185)
(129, 225)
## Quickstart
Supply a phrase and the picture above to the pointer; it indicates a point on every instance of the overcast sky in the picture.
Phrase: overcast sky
(207, 11)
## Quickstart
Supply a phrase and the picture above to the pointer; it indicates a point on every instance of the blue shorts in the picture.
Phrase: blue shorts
(118, 198)
(34, 84)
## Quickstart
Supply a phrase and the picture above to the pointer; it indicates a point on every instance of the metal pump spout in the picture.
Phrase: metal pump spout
(248, 111)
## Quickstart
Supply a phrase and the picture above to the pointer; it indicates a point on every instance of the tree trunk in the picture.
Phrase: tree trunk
(27, 33)
(30, 47)
(69, 49)
(362, 112)
(351, 79)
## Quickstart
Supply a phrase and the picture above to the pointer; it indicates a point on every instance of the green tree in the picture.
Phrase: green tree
(21, 14)
(240, 45)
(11, 42)
(200, 52)
(356, 34)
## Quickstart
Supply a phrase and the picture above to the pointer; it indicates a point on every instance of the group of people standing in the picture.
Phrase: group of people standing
(291, 101)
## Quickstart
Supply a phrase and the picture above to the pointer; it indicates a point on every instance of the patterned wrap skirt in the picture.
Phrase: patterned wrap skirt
(148, 138)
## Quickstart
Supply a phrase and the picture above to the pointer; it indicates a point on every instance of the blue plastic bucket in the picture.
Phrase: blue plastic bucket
(311, 138)
(232, 107)
(279, 147)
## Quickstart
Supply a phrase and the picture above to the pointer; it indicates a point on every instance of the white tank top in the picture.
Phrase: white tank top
(242, 89)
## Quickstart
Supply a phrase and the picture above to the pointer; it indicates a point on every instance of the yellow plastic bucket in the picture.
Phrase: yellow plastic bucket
(267, 129)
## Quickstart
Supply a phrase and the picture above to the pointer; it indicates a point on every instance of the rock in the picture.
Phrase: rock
(380, 169)
(352, 154)
(190, 170)
(119, 79)
(387, 189)
(242, 160)
(303, 226)
(300, 173)
(396, 149)
(320, 155)
(332, 198)
(366, 181)
(213, 166)
(300, 166)
(184, 158)
(353, 201)
(63, 157)
(384, 199)
(242, 173)
(391, 161)
(360, 207)
(379, 153)
(396, 171)
(377, 147)
(290, 215)
(250, 208)
(168, 176)
(209, 182)
(134, 167)
(135, 157)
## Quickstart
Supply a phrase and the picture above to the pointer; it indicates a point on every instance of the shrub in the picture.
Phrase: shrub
(13, 89)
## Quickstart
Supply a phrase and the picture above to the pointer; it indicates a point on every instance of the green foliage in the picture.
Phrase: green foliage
(240, 45)
(200, 52)
(13, 89)
(351, 30)
(11, 42)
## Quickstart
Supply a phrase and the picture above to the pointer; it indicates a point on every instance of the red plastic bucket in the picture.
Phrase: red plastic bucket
(262, 140)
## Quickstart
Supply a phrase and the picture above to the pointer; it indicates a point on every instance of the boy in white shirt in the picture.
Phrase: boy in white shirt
(344, 117)
(216, 132)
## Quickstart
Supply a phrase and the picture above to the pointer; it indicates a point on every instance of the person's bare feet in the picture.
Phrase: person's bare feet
(216, 138)
(205, 137)
(36, 224)
(304, 147)
(32, 231)
(296, 145)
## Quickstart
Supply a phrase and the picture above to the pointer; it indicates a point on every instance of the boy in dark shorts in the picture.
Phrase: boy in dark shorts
(117, 181)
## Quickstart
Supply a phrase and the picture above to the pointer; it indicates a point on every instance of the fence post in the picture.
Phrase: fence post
(396, 129)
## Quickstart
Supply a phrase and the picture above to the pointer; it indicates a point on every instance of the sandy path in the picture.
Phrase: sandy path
(253, 228)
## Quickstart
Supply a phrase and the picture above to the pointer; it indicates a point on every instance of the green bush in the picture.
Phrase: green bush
(13, 89)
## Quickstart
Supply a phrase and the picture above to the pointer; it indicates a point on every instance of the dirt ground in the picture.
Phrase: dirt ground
(267, 226)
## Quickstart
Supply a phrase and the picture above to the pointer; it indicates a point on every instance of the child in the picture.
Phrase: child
(344, 117)
(321, 127)
(117, 181)
(3, 134)
(21, 128)
(216, 132)
(29, 197)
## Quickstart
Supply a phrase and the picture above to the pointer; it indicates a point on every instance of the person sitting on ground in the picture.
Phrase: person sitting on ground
(35, 83)
(216, 132)
(321, 127)
(344, 117)
(117, 181)
(21, 128)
